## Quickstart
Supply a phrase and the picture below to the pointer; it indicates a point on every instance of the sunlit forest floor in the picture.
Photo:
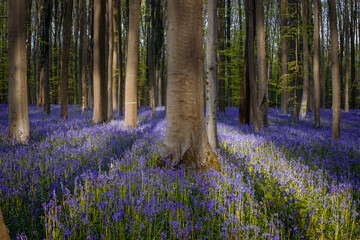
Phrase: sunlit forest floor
(78, 180)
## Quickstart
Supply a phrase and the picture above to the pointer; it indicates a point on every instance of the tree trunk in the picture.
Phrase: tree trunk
(18, 115)
(221, 63)
(261, 60)
(347, 72)
(354, 86)
(4, 232)
(84, 39)
(228, 57)
(110, 60)
(250, 66)
(46, 46)
(284, 60)
(99, 76)
(131, 65)
(316, 65)
(305, 87)
(65, 61)
(211, 74)
(336, 100)
(120, 60)
(151, 55)
(186, 141)
(77, 84)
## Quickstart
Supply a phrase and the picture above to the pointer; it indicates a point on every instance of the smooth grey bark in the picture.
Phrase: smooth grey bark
(261, 60)
(110, 60)
(305, 87)
(284, 109)
(211, 74)
(99, 76)
(335, 73)
(65, 60)
(316, 65)
(120, 60)
(131, 65)
(4, 231)
(186, 141)
(18, 115)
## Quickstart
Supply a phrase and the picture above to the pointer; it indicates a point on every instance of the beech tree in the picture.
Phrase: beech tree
(18, 115)
(186, 141)
(110, 59)
(316, 65)
(284, 59)
(131, 65)
(335, 73)
(99, 77)
(211, 74)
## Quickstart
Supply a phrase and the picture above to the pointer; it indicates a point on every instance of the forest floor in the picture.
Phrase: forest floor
(78, 180)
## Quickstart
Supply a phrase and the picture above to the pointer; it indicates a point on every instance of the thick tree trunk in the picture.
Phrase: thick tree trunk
(336, 99)
(305, 87)
(250, 66)
(99, 76)
(18, 115)
(65, 61)
(186, 141)
(284, 60)
(131, 65)
(4, 232)
(211, 74)
(110, 60)
(221, 62)
(261, 60)
(316, 65)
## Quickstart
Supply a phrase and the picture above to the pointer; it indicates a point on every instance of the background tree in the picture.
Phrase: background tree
(99, 77)
(316, 65)
(222, 59)
(305, 85)
(186, 141)
(46, 54)
(284, 59)
(65, 61)
(335, 73)
(131, 65)
(211, 74)
(18, 116)
(83, 52)
(110, 59)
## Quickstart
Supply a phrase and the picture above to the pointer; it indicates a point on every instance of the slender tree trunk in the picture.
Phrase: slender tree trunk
(336, 99)
(354, 86)
(228, 46)
(37, 54)
(186, 141)
(347, 70)
(261, 60)
(221, 63)
(131, 65)
(4, 232)
(151, 55)
(46, 55)
(316, 65)
(65, 61)
(84, 39)
(305, 87)
(120, 60)
(77, 80)
(18, 116)
(284, 60)
(110, 60)
(99, 76)
(211, 74)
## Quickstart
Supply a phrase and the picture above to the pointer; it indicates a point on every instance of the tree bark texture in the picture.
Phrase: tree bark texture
(221, 62)
(131, 65)
(347, 69)
(211, 74)
(83, 53)
(18, 115)
(316, 65)
(186, 141)
(99, 74)
(110, 59)
(120, 60)
(65, 60)
(335, 73)
(284, 60)
(4, 231)
(305, 87)
(261, 60)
